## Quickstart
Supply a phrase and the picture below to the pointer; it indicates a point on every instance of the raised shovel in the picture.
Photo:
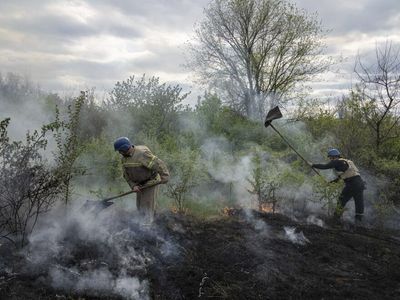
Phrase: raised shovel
(274, 114)
(99, 205)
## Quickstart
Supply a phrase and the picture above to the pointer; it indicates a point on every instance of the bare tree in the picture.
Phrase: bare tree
(379, 92)
(256, 49)
(28, 187)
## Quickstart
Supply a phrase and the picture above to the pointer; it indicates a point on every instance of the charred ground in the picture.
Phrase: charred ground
(245, 256)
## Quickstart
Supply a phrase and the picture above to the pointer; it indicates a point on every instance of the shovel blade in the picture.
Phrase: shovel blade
(273, 114)
(96, 206)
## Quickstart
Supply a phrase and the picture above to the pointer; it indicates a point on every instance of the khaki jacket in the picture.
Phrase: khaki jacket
(142, 168)
(350, 172)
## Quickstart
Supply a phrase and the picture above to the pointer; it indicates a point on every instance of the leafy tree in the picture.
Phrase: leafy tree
(208, 112)
(256, 49)
(264, 183)
(353, 136)
(93, 118)
(68, 145)
(152, 106)
(187, 172)
(328, 194)
(102, 166)
(15, 89)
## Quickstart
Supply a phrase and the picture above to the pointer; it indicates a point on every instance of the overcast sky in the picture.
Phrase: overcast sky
(78, 44)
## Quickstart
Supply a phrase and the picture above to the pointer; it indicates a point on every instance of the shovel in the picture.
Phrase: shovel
(98, 206)
(274, 114)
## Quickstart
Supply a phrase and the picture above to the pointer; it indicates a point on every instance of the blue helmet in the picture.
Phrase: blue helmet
(122, 144)
(333, 152)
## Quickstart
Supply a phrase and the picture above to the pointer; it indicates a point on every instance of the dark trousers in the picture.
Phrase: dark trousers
(354, 188)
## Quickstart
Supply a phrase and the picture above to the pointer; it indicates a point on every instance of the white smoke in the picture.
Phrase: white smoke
(224, 167)
(295, 237)
(97, 282)
(236, 169)
(261, 227)
(60, 236)
(315, 221)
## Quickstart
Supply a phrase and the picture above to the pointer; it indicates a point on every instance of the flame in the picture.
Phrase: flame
(266, 207)
(176, 210)
(229, 211)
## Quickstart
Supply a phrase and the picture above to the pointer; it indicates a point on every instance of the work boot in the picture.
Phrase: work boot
(358, 221)
(334, 221)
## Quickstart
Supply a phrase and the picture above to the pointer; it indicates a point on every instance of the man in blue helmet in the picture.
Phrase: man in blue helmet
(354, 185)
(143, 171)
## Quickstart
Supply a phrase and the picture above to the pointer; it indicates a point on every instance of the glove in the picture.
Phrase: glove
(164, 180)
(334, 180)
(136, 189)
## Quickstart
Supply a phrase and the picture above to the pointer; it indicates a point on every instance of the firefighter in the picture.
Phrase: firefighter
(143, 171)
(354, 185)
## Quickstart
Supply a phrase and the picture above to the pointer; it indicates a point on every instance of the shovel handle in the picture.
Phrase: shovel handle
(118, 196)
(270, 124)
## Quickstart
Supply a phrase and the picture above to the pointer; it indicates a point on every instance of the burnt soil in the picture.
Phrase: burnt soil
(233, 257)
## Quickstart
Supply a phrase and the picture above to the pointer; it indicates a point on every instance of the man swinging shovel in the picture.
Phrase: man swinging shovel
(274, 114)
(345, 169)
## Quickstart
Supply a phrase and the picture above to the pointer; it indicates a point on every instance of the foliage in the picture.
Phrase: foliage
(321, 121)
(208, 111)
(152, 107)
(68, 144)
(102, 167)
(92, 118)
(328, 194)
(383, 208)
(391, 170)
(228, 123)
(348, 127)
(28, 186)
(15, 89)
(152, 113)
(264, 183)
(188, 172)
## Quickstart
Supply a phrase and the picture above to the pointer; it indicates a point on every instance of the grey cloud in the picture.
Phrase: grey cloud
(101, 74)
(123, 31)
(46, 54)
(173, 13)
(42, 24)
(343, 16)
(92, 70)
(53, 74)
(166, 58)
(51, 25)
